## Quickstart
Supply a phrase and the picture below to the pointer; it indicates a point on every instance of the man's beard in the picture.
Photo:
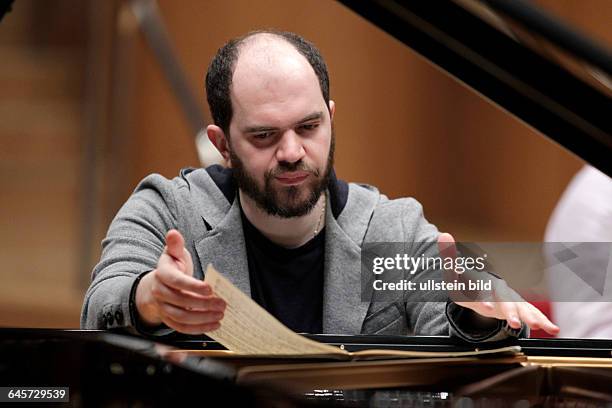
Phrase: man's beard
(284, 201)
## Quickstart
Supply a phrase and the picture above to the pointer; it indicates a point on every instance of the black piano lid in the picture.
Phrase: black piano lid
(565, 347)
(129, 344)
(512, 53)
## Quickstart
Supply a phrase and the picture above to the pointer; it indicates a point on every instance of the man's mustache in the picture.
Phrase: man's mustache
(284, 167)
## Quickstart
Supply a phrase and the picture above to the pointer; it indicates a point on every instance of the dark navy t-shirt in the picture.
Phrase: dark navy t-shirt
(288, 283)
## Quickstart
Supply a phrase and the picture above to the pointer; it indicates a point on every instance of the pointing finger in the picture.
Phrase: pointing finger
(174, 279)
(188, 300)
(183, 316)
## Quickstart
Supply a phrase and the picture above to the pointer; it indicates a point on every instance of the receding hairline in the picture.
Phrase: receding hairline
(258, 37)
(222, 69)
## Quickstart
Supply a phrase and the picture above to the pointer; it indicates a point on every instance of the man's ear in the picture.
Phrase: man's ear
(217, 138)
(332, 109)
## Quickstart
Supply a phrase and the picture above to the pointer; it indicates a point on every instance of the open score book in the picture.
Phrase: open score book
(247, 329)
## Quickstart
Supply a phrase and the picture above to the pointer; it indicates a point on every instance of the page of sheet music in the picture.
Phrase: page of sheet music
(247, 328)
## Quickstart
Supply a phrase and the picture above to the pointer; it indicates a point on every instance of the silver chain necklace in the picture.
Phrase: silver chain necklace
(321, 217)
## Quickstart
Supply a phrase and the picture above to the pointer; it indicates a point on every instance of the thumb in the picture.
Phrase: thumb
(446, 245)
(447, 249)
(175, 245)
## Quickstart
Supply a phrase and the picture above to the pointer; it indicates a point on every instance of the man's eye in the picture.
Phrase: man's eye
(309, 126)
(262, 136)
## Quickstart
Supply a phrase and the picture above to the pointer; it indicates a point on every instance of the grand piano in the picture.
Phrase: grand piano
(528, 63)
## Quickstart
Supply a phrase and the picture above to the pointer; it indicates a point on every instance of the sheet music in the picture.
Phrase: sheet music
(247, 328)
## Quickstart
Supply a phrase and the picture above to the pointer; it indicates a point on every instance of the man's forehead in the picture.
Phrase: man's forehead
(267, 60)
(265, 49)
(270, 72)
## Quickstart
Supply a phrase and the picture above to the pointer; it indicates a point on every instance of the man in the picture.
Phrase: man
(260, 222)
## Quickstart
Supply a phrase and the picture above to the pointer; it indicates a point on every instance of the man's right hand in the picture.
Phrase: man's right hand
(170, 294)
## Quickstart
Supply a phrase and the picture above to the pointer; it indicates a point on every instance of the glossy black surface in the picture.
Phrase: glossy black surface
(104, 369)
(563, 104)
(532, 347)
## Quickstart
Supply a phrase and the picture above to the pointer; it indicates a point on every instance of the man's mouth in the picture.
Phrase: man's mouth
(292, 178)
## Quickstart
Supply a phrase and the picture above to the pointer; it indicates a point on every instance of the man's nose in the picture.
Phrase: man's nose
(290, 148)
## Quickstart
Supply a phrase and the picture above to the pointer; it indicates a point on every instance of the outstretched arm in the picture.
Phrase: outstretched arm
(505, 303)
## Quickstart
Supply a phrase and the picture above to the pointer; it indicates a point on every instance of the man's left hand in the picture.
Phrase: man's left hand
(506, 303)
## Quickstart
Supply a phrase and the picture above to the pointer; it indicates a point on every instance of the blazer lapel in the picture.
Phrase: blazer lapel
(343, 310)
(224, 248)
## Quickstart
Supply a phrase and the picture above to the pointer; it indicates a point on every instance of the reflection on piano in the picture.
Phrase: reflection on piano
(102, 368)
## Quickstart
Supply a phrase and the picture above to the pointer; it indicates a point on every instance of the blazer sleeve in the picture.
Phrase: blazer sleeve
(132, 247)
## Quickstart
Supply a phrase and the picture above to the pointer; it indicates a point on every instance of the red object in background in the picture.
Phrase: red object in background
(546, 309)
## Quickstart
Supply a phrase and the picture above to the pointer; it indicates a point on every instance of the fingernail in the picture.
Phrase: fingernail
(488, 305)
(515, 320)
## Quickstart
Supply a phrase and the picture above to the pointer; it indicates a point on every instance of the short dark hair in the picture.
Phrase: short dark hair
(221, 70)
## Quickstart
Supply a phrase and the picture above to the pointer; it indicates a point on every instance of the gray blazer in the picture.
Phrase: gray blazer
(195, 205)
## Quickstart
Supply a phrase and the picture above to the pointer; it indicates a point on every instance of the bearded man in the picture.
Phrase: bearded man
(276, 221)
